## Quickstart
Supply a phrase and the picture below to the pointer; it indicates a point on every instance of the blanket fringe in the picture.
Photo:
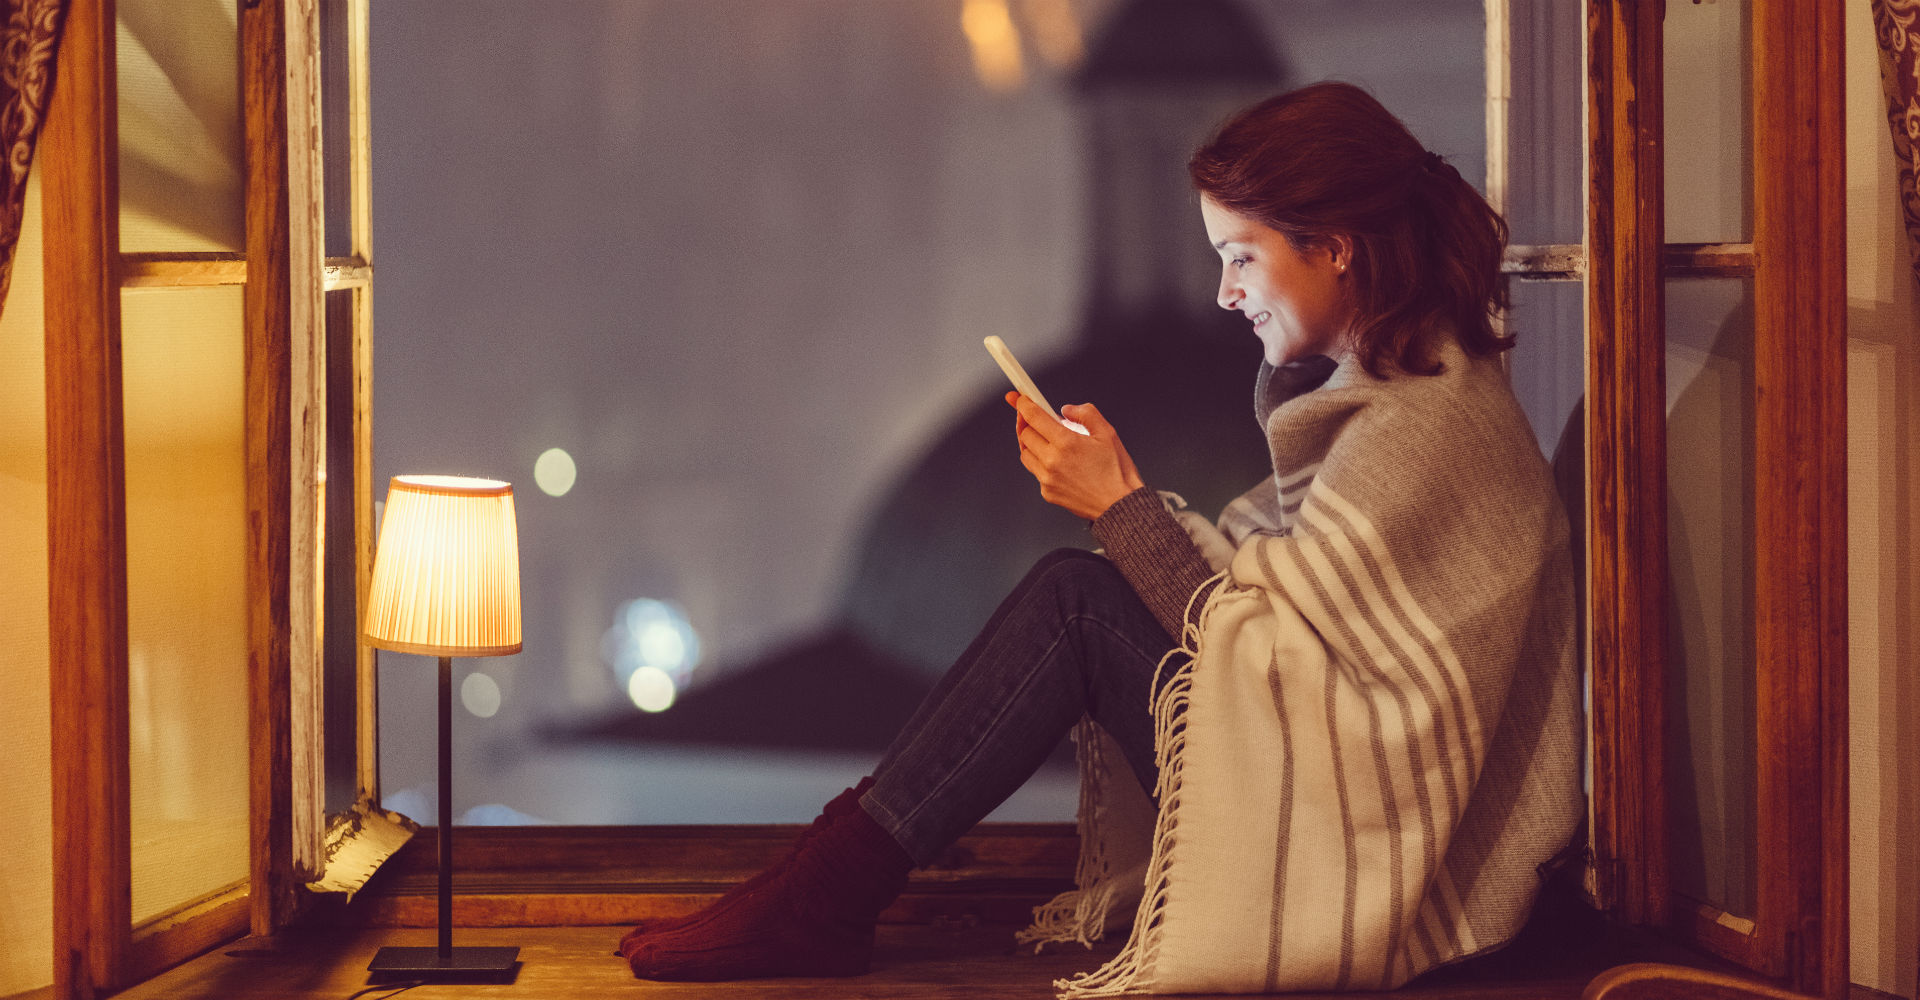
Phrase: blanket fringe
(1079, 914)
(1130, 971)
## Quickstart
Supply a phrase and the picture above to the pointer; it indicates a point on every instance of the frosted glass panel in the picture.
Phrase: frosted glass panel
(1709, 151)
(182, 147)
(26, 776)
(186, 593)
(1546, 196)
(1710, 642)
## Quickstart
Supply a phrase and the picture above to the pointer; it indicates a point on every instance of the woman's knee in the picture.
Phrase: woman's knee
(1069, 558)
(1073, 571)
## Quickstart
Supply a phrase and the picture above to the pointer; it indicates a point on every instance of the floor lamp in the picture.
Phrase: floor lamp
(446, 583)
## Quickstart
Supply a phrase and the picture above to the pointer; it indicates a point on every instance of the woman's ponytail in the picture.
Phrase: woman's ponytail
(1467, 240)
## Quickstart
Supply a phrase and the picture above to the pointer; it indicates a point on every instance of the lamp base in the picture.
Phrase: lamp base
(460, 965)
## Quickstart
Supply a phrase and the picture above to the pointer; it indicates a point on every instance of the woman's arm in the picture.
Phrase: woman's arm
(1155, 554)
(1093, 476)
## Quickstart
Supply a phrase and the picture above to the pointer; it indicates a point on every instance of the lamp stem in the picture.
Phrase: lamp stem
(446, 808)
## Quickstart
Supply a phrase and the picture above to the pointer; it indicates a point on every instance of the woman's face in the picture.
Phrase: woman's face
(1297, 301)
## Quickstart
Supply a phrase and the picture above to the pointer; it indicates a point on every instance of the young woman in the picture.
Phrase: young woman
(1348, 711)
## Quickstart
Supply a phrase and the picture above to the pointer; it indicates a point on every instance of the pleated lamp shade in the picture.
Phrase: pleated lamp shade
(446, 578)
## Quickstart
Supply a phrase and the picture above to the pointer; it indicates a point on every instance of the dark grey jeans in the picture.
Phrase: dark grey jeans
(1072, 639)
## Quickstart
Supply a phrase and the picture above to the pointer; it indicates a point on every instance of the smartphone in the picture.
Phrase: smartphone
(1024, 383)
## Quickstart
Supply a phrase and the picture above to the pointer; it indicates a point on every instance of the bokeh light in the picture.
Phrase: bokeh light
(480, 695)
(651, 689)
(996, 44)
(554, 472)
(652, 650)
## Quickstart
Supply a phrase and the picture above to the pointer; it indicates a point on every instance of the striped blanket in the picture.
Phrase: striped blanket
(1369, 740)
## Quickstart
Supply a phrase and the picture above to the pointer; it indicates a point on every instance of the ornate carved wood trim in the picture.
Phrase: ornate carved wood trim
(1897, 23)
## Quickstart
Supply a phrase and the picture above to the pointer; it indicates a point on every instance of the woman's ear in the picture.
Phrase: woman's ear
(1339, 247)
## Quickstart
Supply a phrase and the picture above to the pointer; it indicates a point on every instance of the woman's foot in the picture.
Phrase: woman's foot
(847, 799)
(814, 916)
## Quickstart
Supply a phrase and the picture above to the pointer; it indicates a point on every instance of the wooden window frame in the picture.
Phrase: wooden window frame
(98, 949)
(1796, 259)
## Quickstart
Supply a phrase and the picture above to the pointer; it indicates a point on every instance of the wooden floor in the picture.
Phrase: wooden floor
(912, 962)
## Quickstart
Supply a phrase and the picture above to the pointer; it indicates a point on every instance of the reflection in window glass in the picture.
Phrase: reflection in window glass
(1709, 149)
(186, 593)
(1546, 195)
(1710, 643)
(736, 259)
(182, 153)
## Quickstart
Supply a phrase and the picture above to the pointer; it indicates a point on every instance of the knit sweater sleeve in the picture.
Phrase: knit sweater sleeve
(1155, 554)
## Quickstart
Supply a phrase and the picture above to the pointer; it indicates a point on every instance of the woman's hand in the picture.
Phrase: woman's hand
(1082, 473)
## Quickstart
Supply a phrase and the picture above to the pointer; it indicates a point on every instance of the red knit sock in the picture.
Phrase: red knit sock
(815, 917)
(847, 799)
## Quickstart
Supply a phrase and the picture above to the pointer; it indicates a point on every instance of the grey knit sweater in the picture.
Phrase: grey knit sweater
(1146, 543)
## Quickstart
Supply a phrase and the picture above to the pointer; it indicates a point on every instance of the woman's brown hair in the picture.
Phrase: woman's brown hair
(1328, 160)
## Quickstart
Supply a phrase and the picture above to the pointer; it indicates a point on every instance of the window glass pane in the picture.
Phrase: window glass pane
(1546, 190)
(1710, 649)
(1709, 130)
(186, 593)
(743, 254)
(341, 616)
(335, 145)
(182, 146)
(1548, 363)
(1548, 367)
(26, 770)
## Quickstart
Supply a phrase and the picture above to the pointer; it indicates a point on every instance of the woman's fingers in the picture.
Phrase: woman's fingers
(1032, 442)
(1037, 418)
(1086, 415)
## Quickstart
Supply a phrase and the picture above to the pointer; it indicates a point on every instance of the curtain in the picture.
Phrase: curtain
(27, 46)
(1894, 22)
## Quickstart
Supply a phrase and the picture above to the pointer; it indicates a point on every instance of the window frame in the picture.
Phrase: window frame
(1797, 262)
(284, 277)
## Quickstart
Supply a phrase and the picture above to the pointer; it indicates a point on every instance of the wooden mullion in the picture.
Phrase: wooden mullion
(1568, 262)
(1499, 60)
(1709, 260)
(86, 514)
(306, 228)
(182, 270)
(360, 128)
(360, 190)
(1800, 601)
(1551, 262)
(366, 674)
(1626, 451)
(285, 401)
